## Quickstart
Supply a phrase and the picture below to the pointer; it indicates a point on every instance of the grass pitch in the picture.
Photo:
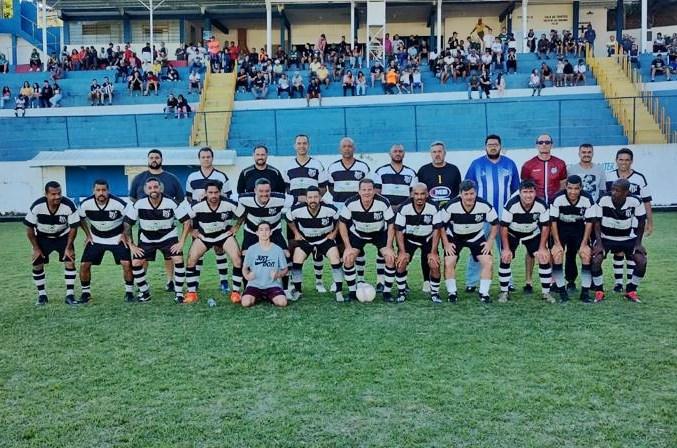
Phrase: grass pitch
(321, 374)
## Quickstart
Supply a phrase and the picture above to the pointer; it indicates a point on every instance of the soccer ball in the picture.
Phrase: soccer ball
(365, 292)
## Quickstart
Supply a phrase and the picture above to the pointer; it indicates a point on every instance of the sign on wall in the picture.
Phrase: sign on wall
(7, 9)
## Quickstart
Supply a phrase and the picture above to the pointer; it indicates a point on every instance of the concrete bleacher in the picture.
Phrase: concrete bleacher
(75, 87)
(463, 125)
(526, 62)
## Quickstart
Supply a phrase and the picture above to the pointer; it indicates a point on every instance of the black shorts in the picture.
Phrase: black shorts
(263, 294)
(380, 241)
(94, 253)
(315, 249)
(412, 246)
(250, 239)
(49, 245)
(164, 247)
(475, 247)
(531, 244)
(626, 248)
(569, 238)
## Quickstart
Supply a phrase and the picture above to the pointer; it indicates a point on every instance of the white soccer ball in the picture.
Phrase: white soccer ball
(365, 292)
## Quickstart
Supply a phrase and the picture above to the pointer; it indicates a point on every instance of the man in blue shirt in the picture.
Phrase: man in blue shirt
(497, 178)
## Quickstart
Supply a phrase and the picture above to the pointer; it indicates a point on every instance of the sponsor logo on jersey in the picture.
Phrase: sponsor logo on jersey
(223, 216)
(535, 216)
(440, 193)
(628, 213)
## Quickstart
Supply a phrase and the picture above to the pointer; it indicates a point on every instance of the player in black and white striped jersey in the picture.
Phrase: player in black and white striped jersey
(313, 226)
(416, 227)
(157, 216)
(525, 219)
(395, 180)
(102, 215)
(464, 218)
(640, 188)
(571, 214)
(195, 192)
(367, 218)
(302, 173)
(52, 223)
(211, 229)
(619, 229)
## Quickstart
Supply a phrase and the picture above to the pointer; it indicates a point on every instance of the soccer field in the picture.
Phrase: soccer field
(522, 374)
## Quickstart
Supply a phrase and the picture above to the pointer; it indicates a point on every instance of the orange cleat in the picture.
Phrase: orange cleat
(632, 296)
(235, 297)
(191, 297)
(599, 296)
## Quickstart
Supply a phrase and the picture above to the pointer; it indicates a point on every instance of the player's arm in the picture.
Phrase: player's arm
(343, 231)
(506, 254)
(433, 256)
(489, 244)
(241, 183)
(246, 272)
(545, 234)
(641, 227)
(648, 228)
(33, 239)
(556, 242)
(88, 233)
(70, 250)
(597, 248)
(295, 230)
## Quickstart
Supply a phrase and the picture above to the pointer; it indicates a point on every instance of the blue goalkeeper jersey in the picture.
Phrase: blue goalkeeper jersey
(496, 182)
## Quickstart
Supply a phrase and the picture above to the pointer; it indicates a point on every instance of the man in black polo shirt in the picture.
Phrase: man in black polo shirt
(246, 183)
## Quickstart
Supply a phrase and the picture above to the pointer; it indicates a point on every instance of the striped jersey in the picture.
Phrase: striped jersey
(254, 213)
(638, 184)
(156, 224)
(572, 216)
(212, 223)
(197, 181)
(367, 223)
(395, 185)
(496, 182)
(105, 222)
(52, 225)
(314, 228)
(299, 177)
(467, 225)
(619, 223)
(523, 223)
(417, 226)
(344, 182)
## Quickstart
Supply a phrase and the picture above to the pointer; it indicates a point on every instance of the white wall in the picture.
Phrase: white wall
(20, 185)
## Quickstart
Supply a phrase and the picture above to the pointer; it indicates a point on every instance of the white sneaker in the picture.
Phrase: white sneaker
(319, 287)
(503, 297)
(339, 297)
(548, 298)
(426, 287)
(332, 288)
(295, 295)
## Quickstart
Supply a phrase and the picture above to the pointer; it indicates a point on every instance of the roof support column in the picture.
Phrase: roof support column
(438, 41)
(525, 26)
(45, 53)
(352, 24)
(644, 31)
(269, 28)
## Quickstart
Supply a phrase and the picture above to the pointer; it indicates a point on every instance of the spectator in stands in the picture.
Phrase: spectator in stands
(416, 80)
(194, 82)
(511, 61)
(278, 70)
(568, 73)
(135, 83)
(297, 85)
(547, 74)
(531, 40)
(376, 73)
(94, 94)
(20, 105)
(35, 63)
(55, 71)
(313, 92)
(5, 96)
(27, 92)
(611, 46)
(659, 44)
(46, 93)
(559, 73)
(391, 84)
(183, 109)
(152, 82)
(579, 72)
(55, 100)
(339, 69)
(321, 47)
(361, 84)
(659, 67)
(543, 47)
(170, 106)
(535, 82)
(75, 60)
(672, 60)
(35, 97)
(590, 35)
(474, 86)
(486, 60)
(485, 83)
(4, 63)
(172, 73)
(349, 84)
(259, 86)
(242, 80)
(283, 86)
(322, 76)
(423, 51)
(357, 55)
(405, 81)
(500, 84)
(107, 89)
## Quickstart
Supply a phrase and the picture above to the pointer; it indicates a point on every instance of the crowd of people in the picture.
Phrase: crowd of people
(558, 212)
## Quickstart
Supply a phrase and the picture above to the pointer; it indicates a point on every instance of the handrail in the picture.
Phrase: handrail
(195, 131)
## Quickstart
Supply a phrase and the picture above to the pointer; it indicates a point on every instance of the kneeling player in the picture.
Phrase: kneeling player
(264, 267)
(101, 216)
(211, 229)
(525, 219)
(416, 227)
(571, 214)
(619, 229)
(367, 218)
(313, 225)
(464, 218)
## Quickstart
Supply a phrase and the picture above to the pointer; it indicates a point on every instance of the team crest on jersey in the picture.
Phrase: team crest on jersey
(378, 215)
(553, 170)
(407, 179)
(223, 216)
(62, 220)
(272, 211)
(479, 218)
(628, 212)
(113, 214)
(312, 172)
(325, 221)
(427, 219)
(535, 216)
(166, 213)
(358, 175)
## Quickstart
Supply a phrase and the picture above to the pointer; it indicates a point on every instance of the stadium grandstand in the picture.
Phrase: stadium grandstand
(90, 85)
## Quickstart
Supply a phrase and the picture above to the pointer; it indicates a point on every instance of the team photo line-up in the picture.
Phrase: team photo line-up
(559, 213)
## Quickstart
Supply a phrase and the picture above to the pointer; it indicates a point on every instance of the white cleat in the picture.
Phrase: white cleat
(319, 287)
(426, 287)
(548, 298)
(339, 297)
(503, 297)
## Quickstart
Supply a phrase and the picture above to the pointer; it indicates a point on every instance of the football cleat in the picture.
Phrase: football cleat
(503, 297)
(599, 296)
(632, 296)
(352, 295)
(426, 287)
(485, 298)
(571, 287)
(42, 300)
(548, 297)
(332, 288)
(470, 289)
(401, 297)
(144, 297)
(511, 288)
(178, 299)
(319, 287)
(295, 295)
(339, 297)
(563, 295)
(225, 288)
(452, 298)
(379, 288)
(169, 287)
(235, 297)
(435, 298)
(70, 300)
(129, 297)
(585, 297)
(528, 289)
(388, 297)
(618, 287)
(191, 297)
(85, 297)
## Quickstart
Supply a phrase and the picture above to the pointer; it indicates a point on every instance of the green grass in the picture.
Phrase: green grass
(523, 374)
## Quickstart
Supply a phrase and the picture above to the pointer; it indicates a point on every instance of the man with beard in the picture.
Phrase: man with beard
(102, 216)
(497, 179)
(171, 189)
(246, 183)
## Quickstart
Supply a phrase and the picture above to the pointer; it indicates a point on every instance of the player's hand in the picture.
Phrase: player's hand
(249, 276)
(433, 260)
(88, 240)
(37, 253)
(584, 251)
(176, 248)
(402, 259)
(69, 254)
(597, 248)
(195, 234)
(388, 255)
(349, 255)
(506, 256)
(273, 275)
(639, 249)
(136, 251)
(450, 249)
(648, 228)
(542, 255)
(486, 247)
(299, 237)
(557, 250)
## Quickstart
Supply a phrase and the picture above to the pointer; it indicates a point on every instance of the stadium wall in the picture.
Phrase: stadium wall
(22, 182)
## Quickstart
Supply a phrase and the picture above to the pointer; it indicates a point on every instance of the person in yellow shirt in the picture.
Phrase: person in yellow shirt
(323, 75)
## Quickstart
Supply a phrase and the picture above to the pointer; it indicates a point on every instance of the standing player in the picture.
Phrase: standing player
(525, 219)
(416, 227)
(368, 219)
(443, 180)
(157, 216)
(313, 226)
(246, 183)
(195, 192)
(343, 177)
(302, 173)
(638, 187)
(497, 179)
(464, 219)
(211, 219)
(264, 266)
(593, 176)
(52, 223)
(619, 229)
(102, 216)
(395, 179)
(571, 214)
(549, 174)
